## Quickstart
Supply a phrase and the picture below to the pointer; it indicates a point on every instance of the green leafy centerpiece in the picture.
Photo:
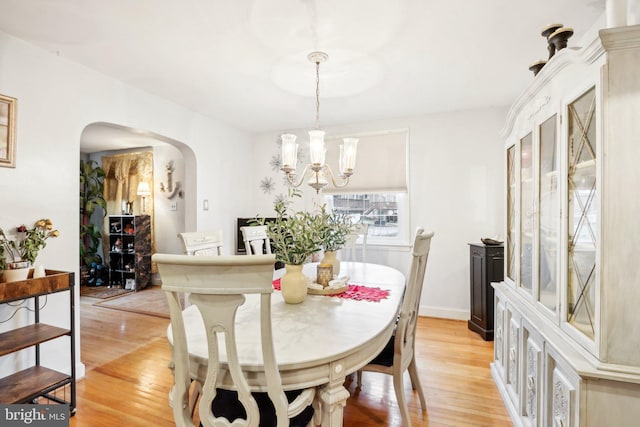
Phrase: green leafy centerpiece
(332, 230)
(293, 238)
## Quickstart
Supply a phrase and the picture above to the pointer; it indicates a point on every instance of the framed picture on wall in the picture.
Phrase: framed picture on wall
(8, 108)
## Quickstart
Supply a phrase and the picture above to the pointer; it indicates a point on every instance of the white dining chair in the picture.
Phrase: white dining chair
(349, 251)
(202, 242)
(398, 355)
(218, 285)
(256, 240)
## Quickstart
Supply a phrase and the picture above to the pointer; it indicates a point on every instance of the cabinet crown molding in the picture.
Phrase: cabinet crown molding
(620, 37)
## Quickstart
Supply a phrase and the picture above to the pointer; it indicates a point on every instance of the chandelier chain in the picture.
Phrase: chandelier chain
(317, 94)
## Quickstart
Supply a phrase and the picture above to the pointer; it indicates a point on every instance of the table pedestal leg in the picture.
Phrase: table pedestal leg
(333, 398)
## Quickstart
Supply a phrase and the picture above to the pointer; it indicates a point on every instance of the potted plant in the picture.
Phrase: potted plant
(3, 262)
(293, 238)
(91, 198)
(333, 229)
(22, 252)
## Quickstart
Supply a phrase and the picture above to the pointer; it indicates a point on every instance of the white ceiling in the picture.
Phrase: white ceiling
(244, 62)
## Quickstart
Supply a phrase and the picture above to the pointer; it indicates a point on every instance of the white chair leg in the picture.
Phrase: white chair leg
(402, 403)
(359, 379)
(415, 383)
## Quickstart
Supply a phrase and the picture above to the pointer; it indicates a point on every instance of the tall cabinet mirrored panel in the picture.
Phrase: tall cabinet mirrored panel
(582, 213)
(527, 216)
(549, 215)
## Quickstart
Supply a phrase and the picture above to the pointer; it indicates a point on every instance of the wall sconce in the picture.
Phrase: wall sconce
(144, 191)
(170, 189)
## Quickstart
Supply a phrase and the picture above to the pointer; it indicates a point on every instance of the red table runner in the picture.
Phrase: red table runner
(355, 292)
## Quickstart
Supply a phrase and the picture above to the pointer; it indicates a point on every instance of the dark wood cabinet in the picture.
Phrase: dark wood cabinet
(486, 265)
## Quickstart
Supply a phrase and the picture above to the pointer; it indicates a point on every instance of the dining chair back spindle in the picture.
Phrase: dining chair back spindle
(256, 240)
(349, 252)
(398, 355)
(218, 286)
(202, 243)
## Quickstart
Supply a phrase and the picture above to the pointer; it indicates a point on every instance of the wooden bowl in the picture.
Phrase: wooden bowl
(560, 37)
(327, 291)
(537, 66)
(550, 29)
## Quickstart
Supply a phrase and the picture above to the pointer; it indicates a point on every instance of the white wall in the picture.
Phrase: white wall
(57, 99)
(456, 186)
(167, 222)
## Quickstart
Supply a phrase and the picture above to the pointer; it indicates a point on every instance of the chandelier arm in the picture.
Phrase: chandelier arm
(345, 179)
(292, 174)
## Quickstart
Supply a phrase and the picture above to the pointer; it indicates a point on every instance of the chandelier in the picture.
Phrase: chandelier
(317, 170)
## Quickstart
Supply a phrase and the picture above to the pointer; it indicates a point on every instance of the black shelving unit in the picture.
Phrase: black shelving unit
(129, 251)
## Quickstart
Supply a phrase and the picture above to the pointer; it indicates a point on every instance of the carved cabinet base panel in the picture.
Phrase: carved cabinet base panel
(545, 380)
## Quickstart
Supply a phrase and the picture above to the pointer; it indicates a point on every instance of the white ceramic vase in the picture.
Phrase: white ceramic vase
(39, 271)
(330, 257)
(293, 284)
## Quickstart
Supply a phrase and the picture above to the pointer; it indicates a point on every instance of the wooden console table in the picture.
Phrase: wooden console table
(37, 381)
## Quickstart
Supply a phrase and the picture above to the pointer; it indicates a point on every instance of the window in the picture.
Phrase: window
(386, 214)
(377, 194)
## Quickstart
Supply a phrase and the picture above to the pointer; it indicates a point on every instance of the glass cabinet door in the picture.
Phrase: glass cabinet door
(526, 213)
(511, 213)
(549, 219)
(582, 214)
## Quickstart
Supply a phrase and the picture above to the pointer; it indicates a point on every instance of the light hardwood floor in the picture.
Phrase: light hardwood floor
(127, 380)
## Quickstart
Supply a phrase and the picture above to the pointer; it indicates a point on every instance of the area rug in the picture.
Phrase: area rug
(150, 301)
(102, 292)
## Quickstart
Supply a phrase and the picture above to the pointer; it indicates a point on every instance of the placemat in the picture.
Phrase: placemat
(355, 292)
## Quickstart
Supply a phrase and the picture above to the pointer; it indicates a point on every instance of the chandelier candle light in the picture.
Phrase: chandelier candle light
(318, 170)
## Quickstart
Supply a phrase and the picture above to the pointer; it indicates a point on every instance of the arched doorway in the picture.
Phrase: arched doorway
(173, 177)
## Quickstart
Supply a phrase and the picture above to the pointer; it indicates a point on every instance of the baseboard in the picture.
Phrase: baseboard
(80, 370)
(443, 313)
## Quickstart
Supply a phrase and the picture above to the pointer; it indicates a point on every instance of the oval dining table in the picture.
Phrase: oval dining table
(317, 342)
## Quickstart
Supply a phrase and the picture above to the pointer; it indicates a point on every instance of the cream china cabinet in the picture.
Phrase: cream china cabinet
(567, 315)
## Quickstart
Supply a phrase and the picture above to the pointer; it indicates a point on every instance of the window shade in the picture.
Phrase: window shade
(381, 164)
